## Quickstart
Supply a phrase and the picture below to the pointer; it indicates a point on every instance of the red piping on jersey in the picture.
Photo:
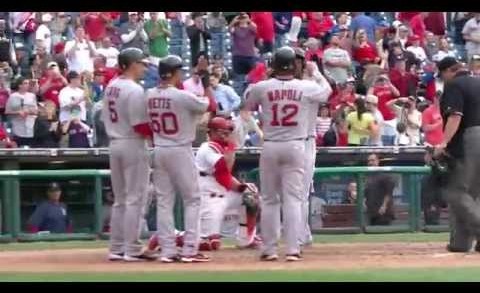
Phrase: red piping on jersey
(216, 147)
(222, 174)
(143, 129)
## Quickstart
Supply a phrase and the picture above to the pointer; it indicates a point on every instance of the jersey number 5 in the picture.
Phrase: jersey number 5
(113, 112)
(166, 122)
(289, 112)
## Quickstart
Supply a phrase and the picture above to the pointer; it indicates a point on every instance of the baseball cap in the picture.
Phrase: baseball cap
(72, 75)
(52, 64)
(132, 13)
(446, 63)
(53, 186)
(372, 99)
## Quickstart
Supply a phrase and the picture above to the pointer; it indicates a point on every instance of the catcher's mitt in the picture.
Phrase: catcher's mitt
(250, 199)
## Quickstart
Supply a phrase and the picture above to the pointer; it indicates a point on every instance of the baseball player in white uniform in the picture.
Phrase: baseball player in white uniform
(285, 103)
(173, 117)
(216, 182)
(126, 123)
(309, 71)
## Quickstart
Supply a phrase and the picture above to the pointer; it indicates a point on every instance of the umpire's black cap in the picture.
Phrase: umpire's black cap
(168, 65)
(284, 59)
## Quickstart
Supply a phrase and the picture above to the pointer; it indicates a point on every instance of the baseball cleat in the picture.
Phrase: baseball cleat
(115, 256)
(293, 257)
(269, 257)
(153, 244)
(215, 244)
(139, 258)
(170, 259)
(205, 246)
(195, 258)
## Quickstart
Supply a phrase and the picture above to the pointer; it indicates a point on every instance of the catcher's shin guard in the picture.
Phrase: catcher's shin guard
(247, 228)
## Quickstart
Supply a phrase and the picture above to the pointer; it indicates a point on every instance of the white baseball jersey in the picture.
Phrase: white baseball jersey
(327, 90)
(285, 106)
(174, 114)
(207, 156)
(124, 107)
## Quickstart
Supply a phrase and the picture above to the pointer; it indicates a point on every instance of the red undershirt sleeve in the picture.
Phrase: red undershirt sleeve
(143, 129)
(222, 174)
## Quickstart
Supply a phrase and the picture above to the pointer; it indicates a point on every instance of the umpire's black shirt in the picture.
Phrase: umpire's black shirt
(462, 96)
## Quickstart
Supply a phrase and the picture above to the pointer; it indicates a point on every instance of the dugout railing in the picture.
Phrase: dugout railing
(11, 204)
(11, 200)
(411, 177)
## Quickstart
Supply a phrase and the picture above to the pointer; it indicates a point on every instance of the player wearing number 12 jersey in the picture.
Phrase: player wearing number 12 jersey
(126, 123)
(285, 104)
(173, 117)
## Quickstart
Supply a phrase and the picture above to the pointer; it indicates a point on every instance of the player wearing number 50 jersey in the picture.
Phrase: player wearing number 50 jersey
(126, 123)
(285, 104)
(173, 117)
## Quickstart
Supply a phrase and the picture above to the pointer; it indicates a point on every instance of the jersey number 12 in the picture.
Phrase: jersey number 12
(288, 113)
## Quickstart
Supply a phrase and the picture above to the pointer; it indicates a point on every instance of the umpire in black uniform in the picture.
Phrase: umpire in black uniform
(460, 109)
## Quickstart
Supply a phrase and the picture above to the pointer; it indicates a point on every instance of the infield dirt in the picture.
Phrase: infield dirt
(319, 257)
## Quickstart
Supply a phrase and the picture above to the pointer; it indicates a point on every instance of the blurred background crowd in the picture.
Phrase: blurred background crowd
(54, 67)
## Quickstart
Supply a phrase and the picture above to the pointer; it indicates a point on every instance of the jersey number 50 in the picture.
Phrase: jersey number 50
(289, 112)
(166, 122)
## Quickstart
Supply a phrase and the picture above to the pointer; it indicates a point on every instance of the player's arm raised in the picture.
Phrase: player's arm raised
(137, 113)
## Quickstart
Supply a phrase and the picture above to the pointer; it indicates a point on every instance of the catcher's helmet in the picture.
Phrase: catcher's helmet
(217, 123)
(168, 65)
(284, 59)
(129, 56)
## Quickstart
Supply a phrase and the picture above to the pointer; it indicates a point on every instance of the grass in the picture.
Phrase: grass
(386, 275)
(347, 238)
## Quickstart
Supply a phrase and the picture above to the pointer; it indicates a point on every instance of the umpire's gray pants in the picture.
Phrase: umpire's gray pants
(462, 192)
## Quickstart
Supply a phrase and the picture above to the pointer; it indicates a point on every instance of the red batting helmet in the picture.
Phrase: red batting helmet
(220, 123)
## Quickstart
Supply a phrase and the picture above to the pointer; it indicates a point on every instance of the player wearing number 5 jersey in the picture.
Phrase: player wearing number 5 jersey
(285, 103)
(126, 123)
(173, 117)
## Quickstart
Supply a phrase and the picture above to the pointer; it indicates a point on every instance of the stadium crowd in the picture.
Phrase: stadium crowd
(54, 67)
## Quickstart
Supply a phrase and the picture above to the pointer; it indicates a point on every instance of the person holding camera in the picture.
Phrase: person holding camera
(407, 114)
(243, 32)
(385, 91)
(460, 149)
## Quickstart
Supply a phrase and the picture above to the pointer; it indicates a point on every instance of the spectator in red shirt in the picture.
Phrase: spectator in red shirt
(319, 25)
(52, 83)
(417, 24)
(364, 52)
(343, 100)
(265, 30)
(432, 123)
(404, 81)
(435, 23)
(314, 51)
(386, 91)
(96, 25)
(100, 65)
(406, 16)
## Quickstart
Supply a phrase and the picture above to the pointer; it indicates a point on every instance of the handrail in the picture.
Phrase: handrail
(360, 172)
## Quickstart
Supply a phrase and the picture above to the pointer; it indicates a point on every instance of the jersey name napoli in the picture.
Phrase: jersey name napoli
(174, 115)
